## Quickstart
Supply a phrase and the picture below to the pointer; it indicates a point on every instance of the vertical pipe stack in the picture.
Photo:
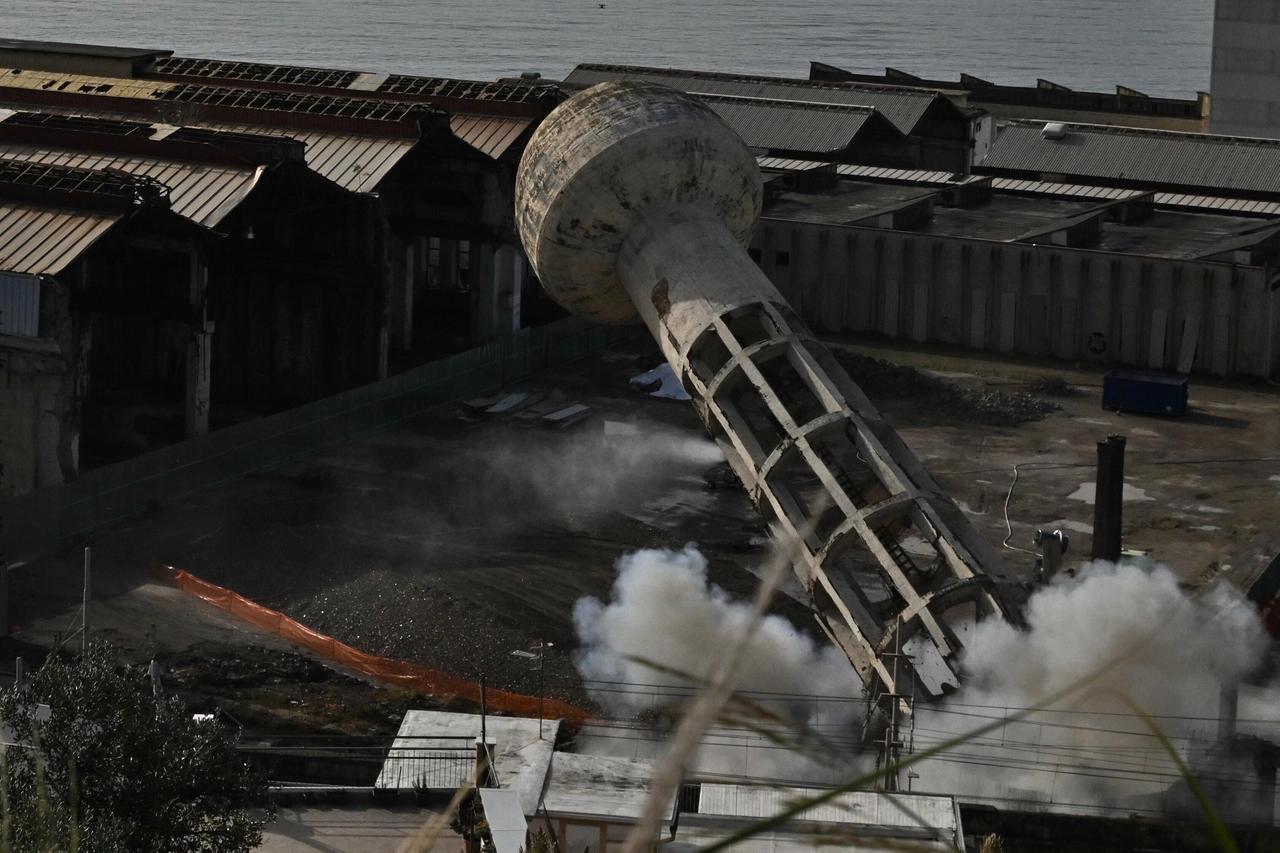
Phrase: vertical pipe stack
(634, 202)
(1108, 499)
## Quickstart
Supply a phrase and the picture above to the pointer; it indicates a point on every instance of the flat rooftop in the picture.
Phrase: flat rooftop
(1010, 216)
(62, 48)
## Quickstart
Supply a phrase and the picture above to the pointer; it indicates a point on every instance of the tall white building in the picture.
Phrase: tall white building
(1246, 68)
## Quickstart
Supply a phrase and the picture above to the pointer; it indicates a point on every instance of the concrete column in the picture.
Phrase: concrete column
(783, 411)
(403, 273)
(448, 262)
(508, 266)
(49, 467)
(484, 293)
(634, 202)
(199, 354)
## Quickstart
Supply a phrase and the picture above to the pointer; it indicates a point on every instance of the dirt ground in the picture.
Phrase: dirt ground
(454, 540)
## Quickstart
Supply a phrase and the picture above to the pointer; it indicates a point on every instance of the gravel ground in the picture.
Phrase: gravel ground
(399, 617)
(884, 380)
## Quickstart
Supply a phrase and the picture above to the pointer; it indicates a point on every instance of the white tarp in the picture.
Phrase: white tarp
(660, 382)
(506, 820)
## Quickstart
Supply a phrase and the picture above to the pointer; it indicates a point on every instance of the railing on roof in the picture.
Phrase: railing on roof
(256, 72)
(120, 187)
(438, 763)
(334, 79)
(293, 102)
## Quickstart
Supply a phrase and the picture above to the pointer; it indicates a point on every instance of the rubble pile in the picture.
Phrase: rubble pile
(884, 380)
(398, 616)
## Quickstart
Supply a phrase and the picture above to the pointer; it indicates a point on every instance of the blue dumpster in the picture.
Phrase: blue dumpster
(1135, 391)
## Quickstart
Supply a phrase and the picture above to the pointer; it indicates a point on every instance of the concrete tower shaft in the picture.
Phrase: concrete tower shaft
(661, 224)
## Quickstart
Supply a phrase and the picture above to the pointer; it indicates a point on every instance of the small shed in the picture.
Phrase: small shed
(592, 802)
(853, 821)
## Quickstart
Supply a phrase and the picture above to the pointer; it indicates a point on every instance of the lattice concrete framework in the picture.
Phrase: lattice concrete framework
(634, 202)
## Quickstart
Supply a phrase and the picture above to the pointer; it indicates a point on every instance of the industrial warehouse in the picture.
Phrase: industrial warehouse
(352, 368)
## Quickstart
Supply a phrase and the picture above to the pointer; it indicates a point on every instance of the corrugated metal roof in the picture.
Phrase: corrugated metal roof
(903, 107)
(44, 241)
(792, 126)
(202, 193)
(865, 808)
(355, 162)
(491, 135)
(1150, 156)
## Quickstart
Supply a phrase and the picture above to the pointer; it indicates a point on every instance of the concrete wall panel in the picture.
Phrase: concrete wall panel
(1072, 304)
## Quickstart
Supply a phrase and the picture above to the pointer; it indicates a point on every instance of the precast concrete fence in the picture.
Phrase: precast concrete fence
(1176, 314)
(34, 523)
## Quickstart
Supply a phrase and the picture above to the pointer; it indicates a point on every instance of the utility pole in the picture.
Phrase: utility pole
(542, 680)
(84, 607)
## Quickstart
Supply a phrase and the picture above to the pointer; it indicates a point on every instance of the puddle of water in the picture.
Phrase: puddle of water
(1208, 528)
(968, 510)
(1088, 493)
(1095, 422)
(1213, 510)
(1068, 524)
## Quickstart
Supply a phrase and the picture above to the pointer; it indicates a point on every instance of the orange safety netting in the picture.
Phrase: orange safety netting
(429, 681)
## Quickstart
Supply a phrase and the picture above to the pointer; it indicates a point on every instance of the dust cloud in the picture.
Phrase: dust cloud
(1126, 631)
(522, 476)
(665, 612)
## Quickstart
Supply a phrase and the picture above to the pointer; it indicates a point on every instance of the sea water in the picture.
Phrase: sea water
(1161, 47)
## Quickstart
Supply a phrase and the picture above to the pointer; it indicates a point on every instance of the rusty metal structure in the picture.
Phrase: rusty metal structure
(634, 202)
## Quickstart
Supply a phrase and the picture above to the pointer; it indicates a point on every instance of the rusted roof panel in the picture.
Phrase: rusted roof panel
(488, 134)
(44, 241)
(202, 193)
(256, 72)
(354, 162)
(114, 87)
(186, 103)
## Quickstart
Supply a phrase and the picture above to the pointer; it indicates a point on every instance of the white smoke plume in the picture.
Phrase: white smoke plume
(665, 611)
(1135, 629)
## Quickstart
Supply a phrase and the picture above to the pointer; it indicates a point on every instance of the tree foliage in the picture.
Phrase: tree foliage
(114, 768)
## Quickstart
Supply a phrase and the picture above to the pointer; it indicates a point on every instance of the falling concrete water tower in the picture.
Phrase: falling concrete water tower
(634, 203)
